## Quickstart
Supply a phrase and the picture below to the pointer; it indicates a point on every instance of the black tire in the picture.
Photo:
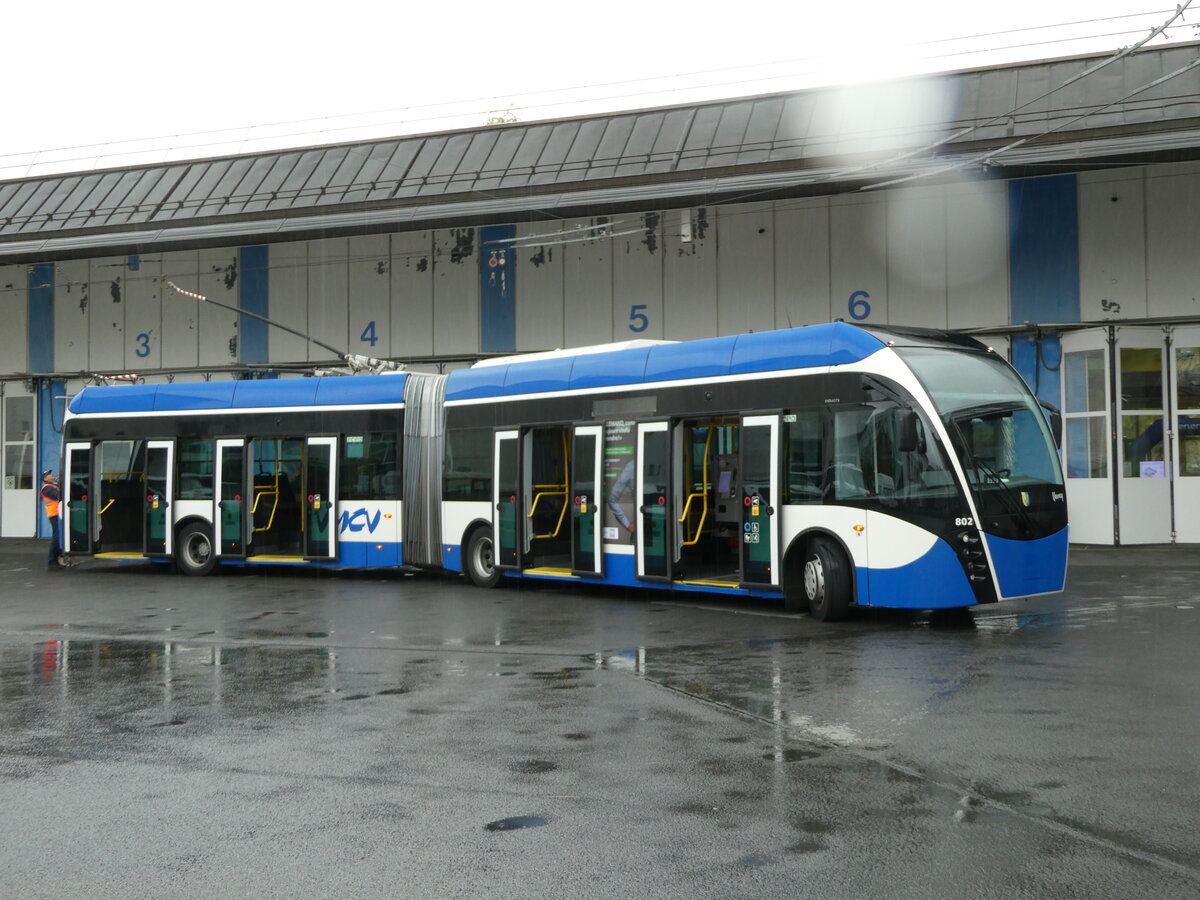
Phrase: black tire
(194, 550)
(480, 559)
(794, 598)
(826, 581)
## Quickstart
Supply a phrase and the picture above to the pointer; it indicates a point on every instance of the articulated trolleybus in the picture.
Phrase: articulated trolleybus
(830, 466)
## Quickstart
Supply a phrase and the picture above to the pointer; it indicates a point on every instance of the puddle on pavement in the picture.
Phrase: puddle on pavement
(159, 684)
(513, 823)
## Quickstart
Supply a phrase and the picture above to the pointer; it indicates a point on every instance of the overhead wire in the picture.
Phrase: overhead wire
(1012, 113)
(988, 157)
(245, 138)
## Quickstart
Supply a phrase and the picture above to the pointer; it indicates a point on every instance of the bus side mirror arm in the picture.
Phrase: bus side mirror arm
(1054, 414)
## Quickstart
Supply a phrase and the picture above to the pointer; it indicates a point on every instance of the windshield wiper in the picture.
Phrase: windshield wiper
(983, 410)
(970, 459)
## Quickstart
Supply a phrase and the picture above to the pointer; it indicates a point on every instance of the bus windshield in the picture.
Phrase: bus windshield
(1001, 438)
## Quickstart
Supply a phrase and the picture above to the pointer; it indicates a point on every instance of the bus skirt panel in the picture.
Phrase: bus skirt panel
(934, 581)
(1028, 568)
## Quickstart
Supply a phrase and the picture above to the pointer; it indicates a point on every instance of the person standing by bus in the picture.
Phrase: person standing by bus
(52, 500)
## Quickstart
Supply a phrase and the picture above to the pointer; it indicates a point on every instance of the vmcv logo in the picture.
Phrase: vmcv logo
(358, 520)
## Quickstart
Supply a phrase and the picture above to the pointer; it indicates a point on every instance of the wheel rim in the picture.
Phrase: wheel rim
(198, 550)
(814, 580)
(484, 560)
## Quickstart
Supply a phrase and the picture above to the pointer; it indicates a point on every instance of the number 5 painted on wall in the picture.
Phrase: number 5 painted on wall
(636, 315)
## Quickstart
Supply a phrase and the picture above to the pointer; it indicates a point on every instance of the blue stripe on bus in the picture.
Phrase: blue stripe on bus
(935, 581)
(285, 392)
(792, 348)
(1024, 568)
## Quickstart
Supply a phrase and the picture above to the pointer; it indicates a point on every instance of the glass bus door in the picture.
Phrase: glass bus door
(320, 490)
(507, 520)
(587, 462)
(158, 483)
(76, 491)
(760, 500)
(229, 516)
(654, 542)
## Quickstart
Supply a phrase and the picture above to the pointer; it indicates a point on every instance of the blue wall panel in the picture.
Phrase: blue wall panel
(51, 403)
(41, 318)
(253, 297)
(1043, 224)
(497, 290)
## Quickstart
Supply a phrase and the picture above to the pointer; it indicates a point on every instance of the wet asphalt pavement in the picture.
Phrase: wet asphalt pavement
(364, 735)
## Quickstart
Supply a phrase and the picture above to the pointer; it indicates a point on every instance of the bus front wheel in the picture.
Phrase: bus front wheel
(481, 559)
(195, 554)
(826, 581)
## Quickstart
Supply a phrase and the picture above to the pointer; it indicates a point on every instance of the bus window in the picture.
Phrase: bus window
(869, 464)
(195, 469)
(468, 464)
(802, 452)
(369, 469)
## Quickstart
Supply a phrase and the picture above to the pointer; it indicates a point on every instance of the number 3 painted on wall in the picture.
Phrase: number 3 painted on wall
(859, 307)
(143, 347)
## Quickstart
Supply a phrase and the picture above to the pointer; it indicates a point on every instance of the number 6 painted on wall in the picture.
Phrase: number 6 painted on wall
(859, 307)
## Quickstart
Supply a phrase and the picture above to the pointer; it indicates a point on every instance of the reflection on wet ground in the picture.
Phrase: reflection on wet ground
(707, 738)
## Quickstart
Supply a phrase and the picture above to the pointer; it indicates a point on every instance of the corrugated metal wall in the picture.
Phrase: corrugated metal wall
(935, 256)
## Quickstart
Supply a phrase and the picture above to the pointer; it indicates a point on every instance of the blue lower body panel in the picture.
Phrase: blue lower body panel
(935, 581)
(1025, 568)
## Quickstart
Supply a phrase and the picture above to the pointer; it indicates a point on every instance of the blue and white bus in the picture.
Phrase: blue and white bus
(830, 466)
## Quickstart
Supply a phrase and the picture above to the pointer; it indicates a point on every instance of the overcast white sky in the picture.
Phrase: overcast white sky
(133, 81)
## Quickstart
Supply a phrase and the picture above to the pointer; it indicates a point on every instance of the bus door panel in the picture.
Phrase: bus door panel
(587, 468)
(229, 516)
(76, 492)
(320, 491)
(654, 536)
(761, 509)
(157, 517)
(507, 521)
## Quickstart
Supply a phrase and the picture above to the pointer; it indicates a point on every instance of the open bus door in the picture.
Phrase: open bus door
(587, 461)
(320, 488)
(760, 501)
(77, 491)
(229, 515)
(653, 532)
(158, 482)
(507, 521)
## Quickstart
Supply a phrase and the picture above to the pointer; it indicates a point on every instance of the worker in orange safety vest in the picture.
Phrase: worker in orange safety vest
(52, 500)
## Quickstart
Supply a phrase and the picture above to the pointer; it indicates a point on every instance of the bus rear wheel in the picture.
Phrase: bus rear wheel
(480, 561)
(826, 581)
(194, 555)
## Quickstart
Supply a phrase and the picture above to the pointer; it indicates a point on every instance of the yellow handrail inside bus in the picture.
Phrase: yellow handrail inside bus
(106, 506)
(554, 490)
(703, 495)
(264, 492)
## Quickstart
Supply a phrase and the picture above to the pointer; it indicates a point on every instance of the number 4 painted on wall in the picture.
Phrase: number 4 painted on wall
(368, 335)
